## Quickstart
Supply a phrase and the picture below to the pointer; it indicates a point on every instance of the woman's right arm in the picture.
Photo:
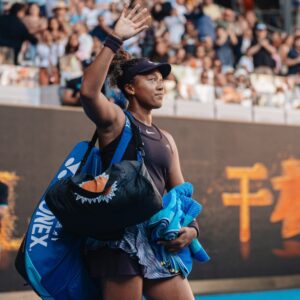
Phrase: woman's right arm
(97, 107)
(102, 112)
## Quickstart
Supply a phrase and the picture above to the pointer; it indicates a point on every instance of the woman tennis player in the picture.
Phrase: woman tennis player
(128, 269)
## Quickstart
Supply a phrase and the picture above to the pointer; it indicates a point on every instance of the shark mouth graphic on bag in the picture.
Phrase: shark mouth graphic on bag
(97, 185)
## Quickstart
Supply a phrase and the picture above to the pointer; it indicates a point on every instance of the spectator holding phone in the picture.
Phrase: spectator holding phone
(262, 51)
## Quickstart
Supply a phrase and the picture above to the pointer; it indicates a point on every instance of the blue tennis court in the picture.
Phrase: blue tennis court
(293, 294)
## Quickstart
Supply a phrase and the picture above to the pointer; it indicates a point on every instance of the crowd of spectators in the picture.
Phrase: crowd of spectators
(216, 48)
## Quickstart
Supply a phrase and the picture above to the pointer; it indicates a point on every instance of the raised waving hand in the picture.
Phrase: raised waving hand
(131, 22)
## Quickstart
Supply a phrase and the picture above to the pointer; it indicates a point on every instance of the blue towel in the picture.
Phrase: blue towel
(178, 211)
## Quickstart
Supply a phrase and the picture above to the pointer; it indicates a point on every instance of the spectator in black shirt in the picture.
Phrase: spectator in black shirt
(293, 58)
(148, 43)
(13, 31)
(161, 9)
(70, 93)
(101, 30)
(261, 50)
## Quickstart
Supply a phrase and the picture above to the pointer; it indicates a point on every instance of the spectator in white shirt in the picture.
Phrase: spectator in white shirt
(46, 53)
(90, 14)
(85, 41)
(47, 59)
(111, 15)
(176, 26)
(180, 7)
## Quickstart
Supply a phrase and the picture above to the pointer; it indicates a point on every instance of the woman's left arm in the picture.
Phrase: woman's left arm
(175, 177)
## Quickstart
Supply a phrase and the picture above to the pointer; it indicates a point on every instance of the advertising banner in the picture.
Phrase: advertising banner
(246, 176)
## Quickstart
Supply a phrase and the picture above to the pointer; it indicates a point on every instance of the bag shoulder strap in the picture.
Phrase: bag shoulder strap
(123, 143)
(130, 130)
(121, 148)
(91, 145)
(137, 137)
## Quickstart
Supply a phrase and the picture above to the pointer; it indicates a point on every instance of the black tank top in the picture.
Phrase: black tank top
(158, 153)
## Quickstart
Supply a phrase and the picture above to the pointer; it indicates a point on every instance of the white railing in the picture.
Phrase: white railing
(229, 112)
(19, 85)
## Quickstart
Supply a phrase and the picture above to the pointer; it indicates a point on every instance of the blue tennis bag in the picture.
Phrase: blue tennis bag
(50, 259)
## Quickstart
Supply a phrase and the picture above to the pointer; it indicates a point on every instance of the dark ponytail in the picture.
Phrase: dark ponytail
(116, 67)
(121, 62)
